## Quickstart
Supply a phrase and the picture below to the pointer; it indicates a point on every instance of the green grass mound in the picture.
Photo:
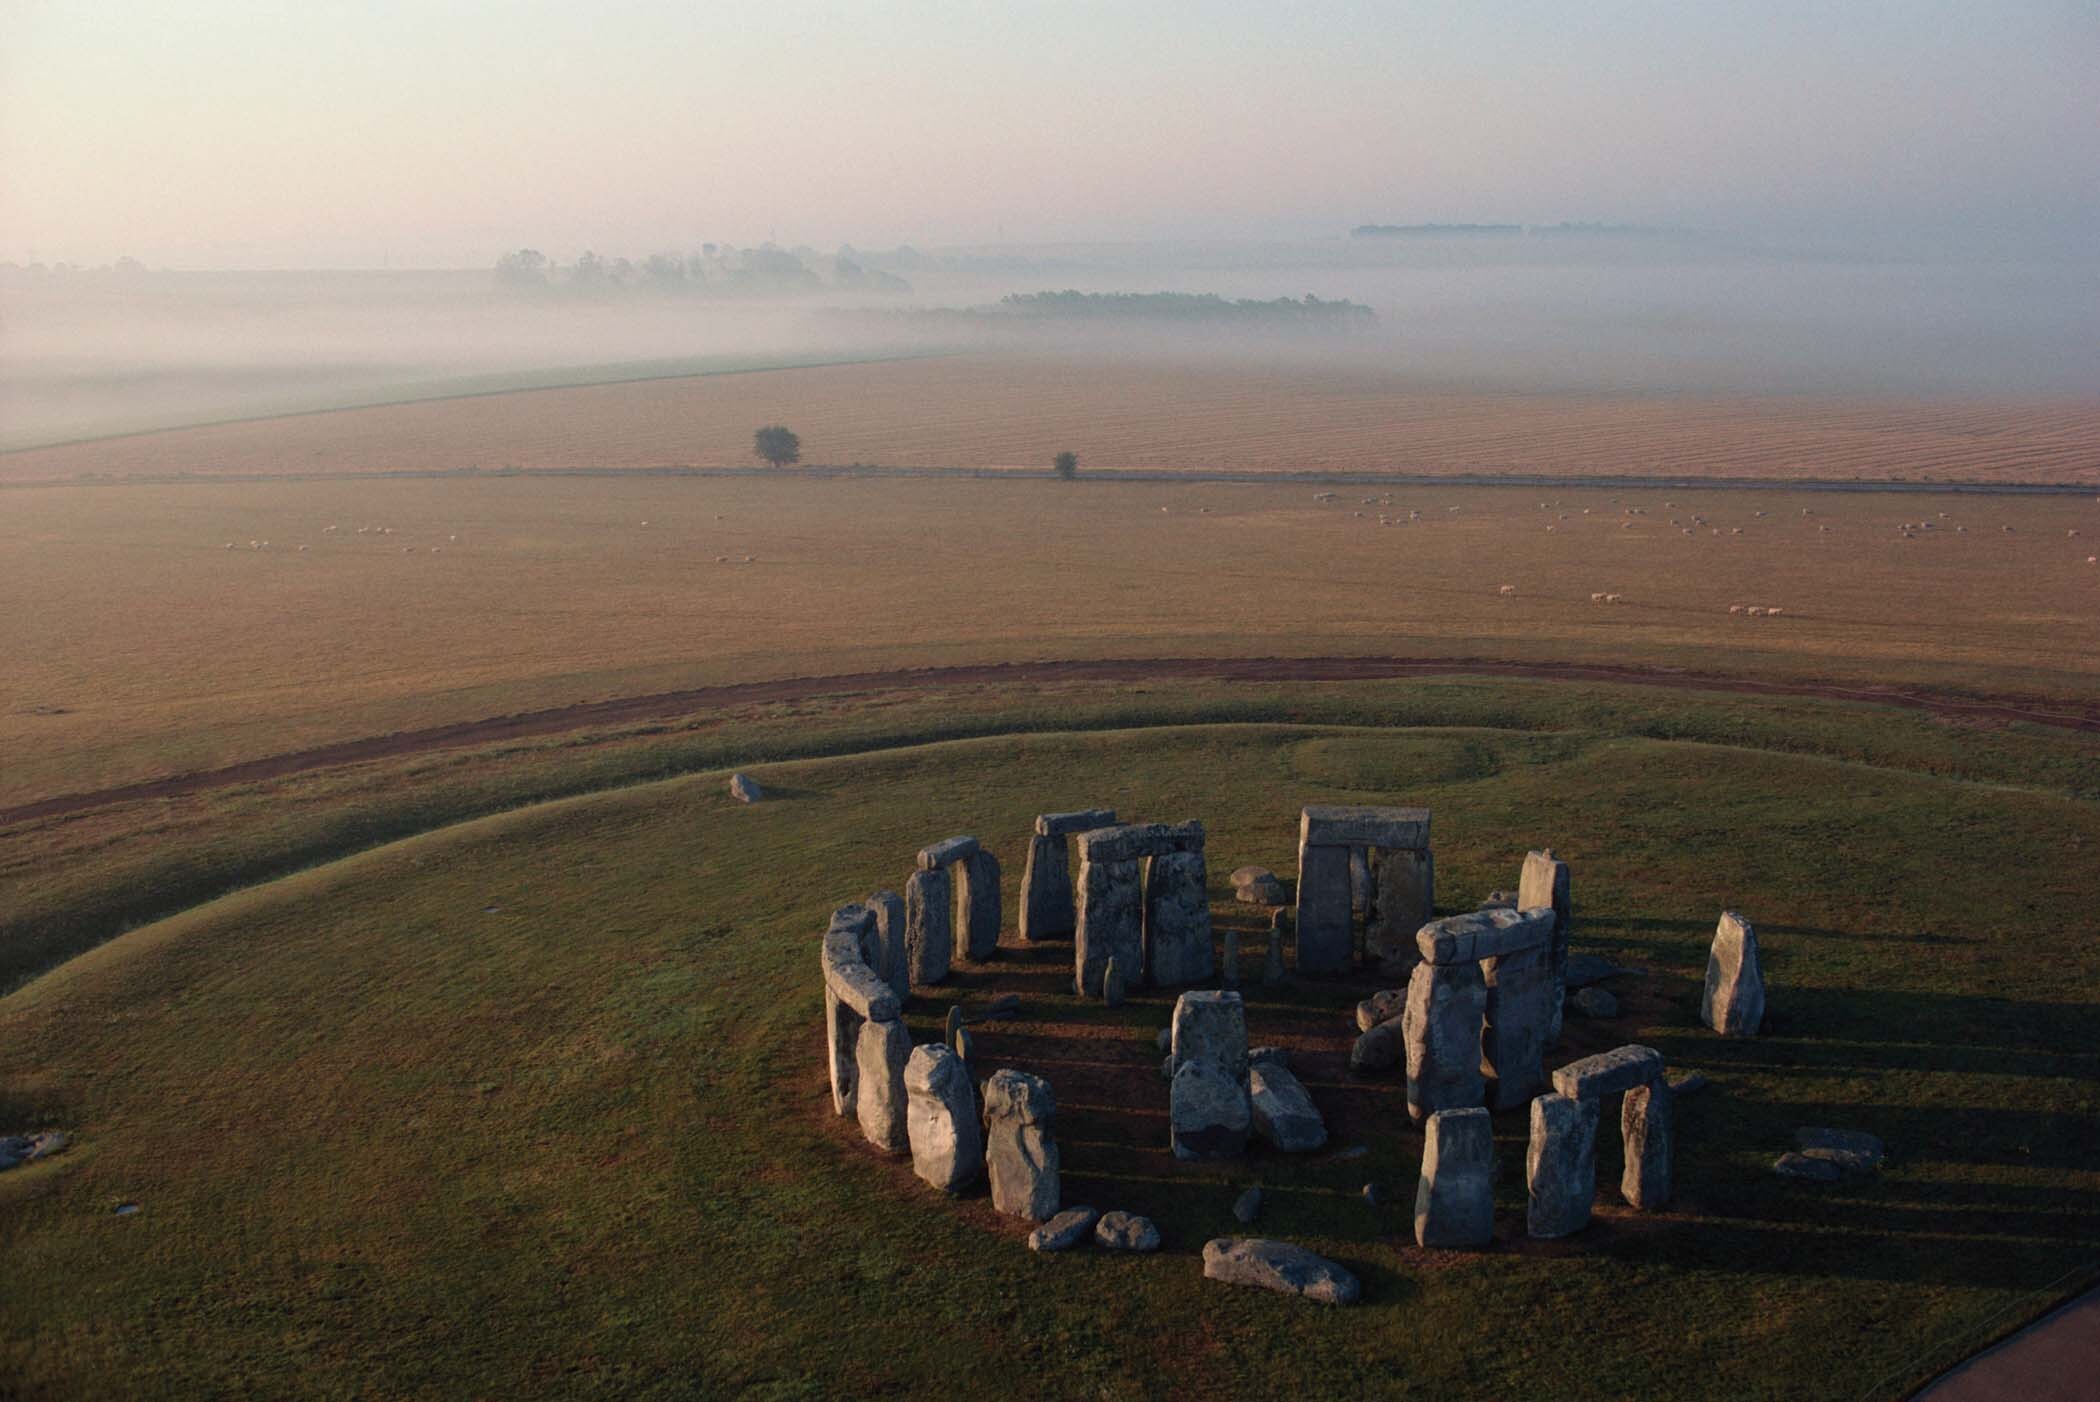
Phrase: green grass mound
(538, 1103)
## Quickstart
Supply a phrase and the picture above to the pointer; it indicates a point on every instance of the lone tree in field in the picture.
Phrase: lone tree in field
(1066, 464)
(777, 445)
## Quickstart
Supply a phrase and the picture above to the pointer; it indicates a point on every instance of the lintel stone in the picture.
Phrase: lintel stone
(1352, 825)
(1484, 934)
(1080, 820)
(1127, 842)
(948, 849)
(1608, 1073)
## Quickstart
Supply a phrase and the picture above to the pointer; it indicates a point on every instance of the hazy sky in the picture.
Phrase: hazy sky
(233, 133)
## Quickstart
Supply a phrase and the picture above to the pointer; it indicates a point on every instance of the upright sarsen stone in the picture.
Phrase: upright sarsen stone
(1455, 1197)
(1560, 1166)
(1110, 923)
(1211, 1025)
(1644, 1118)
(1209, 1112)
(1047, 912)
(883, 1049)
(1326, 929)
(1445, 1005)
(979, 900)
(893, 965)
(1544, 882)
(1020, 1154)
(929, 925)
(1177, 920)
(1734, 1002)
(1403, 901)
(1515, 1024)
(947, 1149)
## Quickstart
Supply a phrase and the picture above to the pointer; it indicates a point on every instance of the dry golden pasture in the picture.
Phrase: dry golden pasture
(1012, 410)
(137, 644)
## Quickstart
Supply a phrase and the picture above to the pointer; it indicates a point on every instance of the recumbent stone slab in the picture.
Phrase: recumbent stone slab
(1067, 1229)
(1279, 1266)
(1284, 1113)
(1126, 1231)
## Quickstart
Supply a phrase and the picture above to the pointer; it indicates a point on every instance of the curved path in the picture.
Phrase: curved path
(559, 719)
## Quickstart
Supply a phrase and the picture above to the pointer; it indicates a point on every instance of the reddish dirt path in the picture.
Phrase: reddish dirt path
(560, 719)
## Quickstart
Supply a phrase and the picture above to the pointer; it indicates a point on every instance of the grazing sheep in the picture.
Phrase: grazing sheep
(1735, 608)
(1507, 589)
(452, 539)
(749, 558)
(1823, 530)
(1614, 598)
(1755, 612)
(302, 550)
(328, 530)
(2008, 530)
(1598, 597)
(229, 545)
(1774, 612)
(721, 559)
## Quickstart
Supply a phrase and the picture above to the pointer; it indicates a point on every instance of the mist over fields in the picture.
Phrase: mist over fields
(89, 353)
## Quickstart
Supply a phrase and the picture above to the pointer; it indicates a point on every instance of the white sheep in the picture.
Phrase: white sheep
(1735, 608)
(1507, 589)
(1598, 597)
(1614, 598)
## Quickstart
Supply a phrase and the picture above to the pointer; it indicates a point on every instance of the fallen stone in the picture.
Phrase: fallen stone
(1005, 1005)
(1853, 1151)
(929, 926)
(1733, 1003)
(1064, 1230)
(1807, 1169)
(1560, 1165)
(1208, 1112)
(1686, 1084)
(1257, 886)
(744, 789)
(880, 1100)
(1081, 820)
(1126, 1231)
(1380, 1049)
(1608, 1073)
(1382, 1006)
(1247, 1206)
(947, 1149)
(1594, 1002)
(1446, 1004)
(1112, 984)
(1129, 842)
(1484, 934)
(1455, 1197)
(1047, 912)
(1349, 825)
(1279, 1266)
(977, 890)
(1020, 1151)
(1499, 900)
(1284, 1113)
(1644, 1118)
(948, 849)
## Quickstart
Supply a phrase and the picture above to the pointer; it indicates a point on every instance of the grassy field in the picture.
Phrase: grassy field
(988, 410)
(536, 1103)
(138, 644)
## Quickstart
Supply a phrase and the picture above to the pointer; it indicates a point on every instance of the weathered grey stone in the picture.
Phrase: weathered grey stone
(1484, 934)
(1080, 820)
(1247, 1206)
(879, 1099)
(848, 977)
(1807, 1169)
(1209, 1114)
(1166, 1067)
(1211, 1025)
(929, 926)
(1593, 1002)
(1360, 896)
(1020, 1149)
(1274, 1056)
(1047, 912)
(1284, 1113)
(1852, 1150)
(1445, 1006)
(1347, 825)
(1326, 933)
(1514, 1026)
(1272, 962)
(948, 849)
(1404, 901)
(1734, 1001)
(1165, 1039)
(887, 908)
(1608, 1073)
(1126, 1231)
(1544, 882)
(1229, 960)
(1257, 886)
(1455, 1198)
(1177, 920)
(1499, 900)
(1560, 1166)
(947, 1149)
(1067, 1229)
(1129, 842)
(1382, 1006)
(965, 1046)
(841, 1042)
(1112, 984)
(1645, 1119)
(1279, 1266)
(978, 897)
(952, 1025)
(1380, 1049)
(1110, 923)
(744, 789)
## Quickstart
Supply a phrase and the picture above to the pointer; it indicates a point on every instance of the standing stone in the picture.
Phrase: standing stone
(1020, 1152)
(1515, 1025)
(895, 963)
(1284, 1113)
(1177, 920)
(1110, 923)
(1455, 1199)
(1360, 897)
(1211, 1025)
(1209, 1113)
(1229, 971)
(978, 896)
(1734, 1002)
(1403, 902)
(1326, 936)
(880, 1099)
(1047, 912)
(1644, 1118)
(1272, 963)
(744, 789)
(1112, 984)
(842, 1041)
(952, 1027)
(1544, 882)
(965, 1046)
(929, 926)
(1445, 1005)
(947, 1149)
(1560, 1166)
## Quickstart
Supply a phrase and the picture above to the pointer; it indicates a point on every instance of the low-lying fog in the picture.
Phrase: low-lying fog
(93, 352)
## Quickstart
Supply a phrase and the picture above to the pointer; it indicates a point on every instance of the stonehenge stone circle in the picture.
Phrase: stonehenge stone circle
(1644, 1120)
(1393, 846)
(1544, 882)
(852, 995)
(1284, 1114)
(1020, 1151)
(1734, 1001)
(1455, 1198)
(883, 1049)
(1279, 1266)
(978, 897)
(1047, 911)
(1560, 1165)
(929, 926)
(947, 1150)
